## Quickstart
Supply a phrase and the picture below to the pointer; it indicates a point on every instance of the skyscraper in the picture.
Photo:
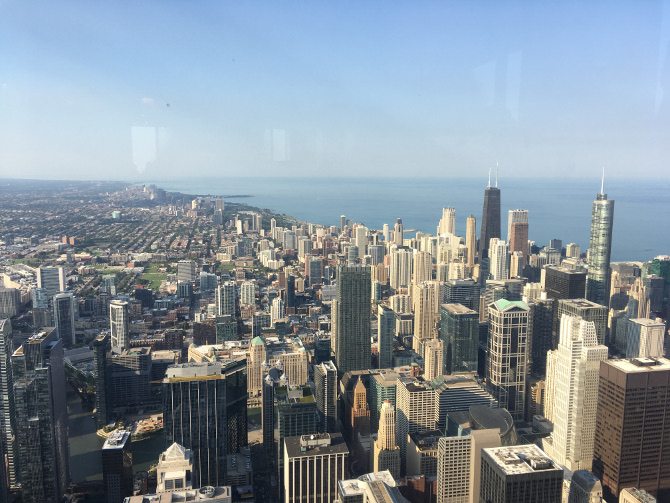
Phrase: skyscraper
(508, 344)
(424, 299)
(434, 359)
(63, 306)
(471, 240)
(518, 473)
(205, 410)
(225, 299)
(400, 271)
(8, 418)
(632, 436)
(575, 393)
(41, 418)
(600, 249)
(325, 390)
(119, 324)
(423, 267)
(447, 222)
(52, 279)
(398, 232)
(518, 241)
(490, 218)
(415, 404)
(386, 450)
(117, 466)
(498, 259)
(459, 329)
(516, 217)
(385, 335)
(351, 319)
(645, 338)
(561, 283)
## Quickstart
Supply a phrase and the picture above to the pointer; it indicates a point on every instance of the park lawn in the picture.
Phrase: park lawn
(155, 279)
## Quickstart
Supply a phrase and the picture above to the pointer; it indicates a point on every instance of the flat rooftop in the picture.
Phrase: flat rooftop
(458, 309)
(632, 365)
(521, 459)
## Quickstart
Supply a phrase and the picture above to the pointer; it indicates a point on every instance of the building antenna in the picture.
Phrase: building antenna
(496, 174)
(602, 185)
(489, 186)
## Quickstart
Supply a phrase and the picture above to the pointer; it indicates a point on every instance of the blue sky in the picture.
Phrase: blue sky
(132, 90)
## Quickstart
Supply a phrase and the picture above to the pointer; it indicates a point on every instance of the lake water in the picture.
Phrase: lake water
(558, 209)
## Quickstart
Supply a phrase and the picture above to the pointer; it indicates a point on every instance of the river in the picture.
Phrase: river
(85, 445)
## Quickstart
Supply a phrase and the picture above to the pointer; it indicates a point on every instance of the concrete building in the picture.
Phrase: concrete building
(400, 270)
(424, 300)
(632, 442)
(634, 495)
(471, 240)
(434, 359)
(386, 321)
(585, 488)
(225, 299)
(498, 259)
(313, 465)
(386, 450)
(325, 391)
(422, 453)
(575, 394)
(185, 271)
(508, 353)
(378, 487)
(519, 473)
(117, 466)
(645, 338)
(415, 405)
(586, 310)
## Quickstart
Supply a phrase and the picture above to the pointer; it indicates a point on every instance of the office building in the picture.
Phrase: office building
(361, 239)
(508, 351)
(572, 250)
(386, 450)
(398, 232)
(315, 270)
(225, 299)
(490, 227)
(458, 393)
(561, 283)
(600, 249)
(585, 488)
(459, 330)
(382, 389)
(277, 311)
(108, 284)
(635, 495)
(415, 404)
(424, 300)
(447, 223)
(462, 291)
(358, 412)
(325, 391)
(101, 346)
(351, 319)
(516, 217)
(52, 279)
(313, 464)
(10, 300)
(586, 310)
(434, 359)
(459, 464)
(119, 325)
(540, 327)
(423, 267)
(288, 354)
(385, 335)
(519, 473)
(63, 308)
(645, 338)
(273, 379)
(7, 410)
(205, 410)
(518, 242)
(117, 466)
(471, 240)
(185, 271)
(422, 453)
(632, 439)
(574, 385)
(41, 418)
(378, 487)
(248, 293)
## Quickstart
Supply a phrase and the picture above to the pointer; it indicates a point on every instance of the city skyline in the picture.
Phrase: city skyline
(552, 89)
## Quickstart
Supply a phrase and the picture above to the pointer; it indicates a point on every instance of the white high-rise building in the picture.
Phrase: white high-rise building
(423, 267)
(400, 303)
(401, 268)
(424, 304)
(277, 310)
(361, 239)
(434, 359)
(119, 324)
(398, 236)
(447, 222)
(225, 299)
(515, 217)
(386, 450)
(498, 259)
(415, 404)
(185, 271)
(575, 393)
(248, 293)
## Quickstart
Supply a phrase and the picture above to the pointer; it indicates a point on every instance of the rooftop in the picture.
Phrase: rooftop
(520, 459)
(640, 364)
(458, 309)
(315, 445)
(116, 440)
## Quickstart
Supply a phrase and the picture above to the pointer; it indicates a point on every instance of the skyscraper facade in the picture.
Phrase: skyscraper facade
(516, 217)
(459, 330)
(575, 393)
(386, 450)
(41, 417)
(117, 466)
(471, 240)
(351, 319)
(63, 307)
(632, 435)
(52, 279)
(385, 336)
(508, 352)
(490, 227)
(398, 232)
(424, 302)
(8, 419)
(119, 324)
(325, 391)
(400, 271)
(600, 249)
(498, 259)
(225, 299)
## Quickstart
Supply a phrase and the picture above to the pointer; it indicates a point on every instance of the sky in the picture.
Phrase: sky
(171, 89)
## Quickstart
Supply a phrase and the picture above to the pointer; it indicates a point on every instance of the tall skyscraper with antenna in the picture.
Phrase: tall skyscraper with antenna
(490, 227)
(600, 248)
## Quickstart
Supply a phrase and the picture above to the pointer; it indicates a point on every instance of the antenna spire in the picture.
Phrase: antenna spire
(602, 185)
(496, 174)
(489, 186)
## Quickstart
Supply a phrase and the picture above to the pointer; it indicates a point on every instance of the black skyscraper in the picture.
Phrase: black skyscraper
(490, 219)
